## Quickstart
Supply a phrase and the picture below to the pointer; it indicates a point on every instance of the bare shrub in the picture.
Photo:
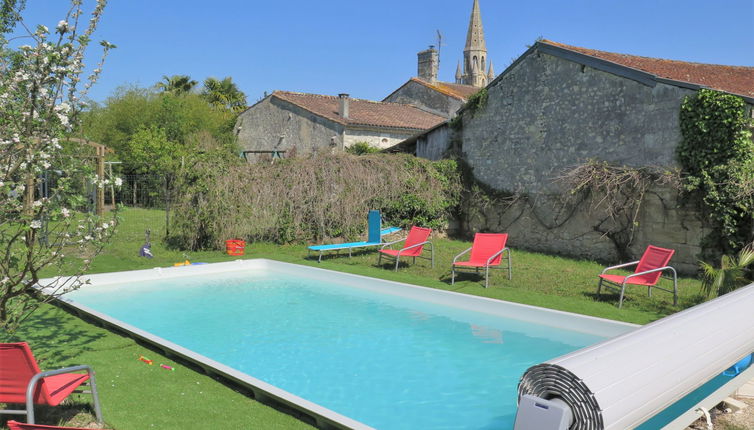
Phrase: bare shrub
(310, 198)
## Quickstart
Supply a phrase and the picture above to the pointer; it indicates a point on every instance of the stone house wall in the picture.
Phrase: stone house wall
(434, 144)
(547, 115)
(426, 98)
(378, 138)
(273, 124)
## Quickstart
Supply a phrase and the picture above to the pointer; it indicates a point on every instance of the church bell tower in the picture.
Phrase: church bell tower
(476, 69)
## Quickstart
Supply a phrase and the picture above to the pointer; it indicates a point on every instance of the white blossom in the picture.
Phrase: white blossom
(118, 182)
(36, 224)
(65, 212)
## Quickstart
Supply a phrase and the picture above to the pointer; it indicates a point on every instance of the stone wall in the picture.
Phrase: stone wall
(563, 226)
(434, 144)
(547, 115)
(377, 138)
(425, 98)
(273, 124)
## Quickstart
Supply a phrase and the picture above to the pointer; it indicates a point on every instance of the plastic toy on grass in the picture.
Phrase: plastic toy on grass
(165, 366)
(146, 249)
(146, 360)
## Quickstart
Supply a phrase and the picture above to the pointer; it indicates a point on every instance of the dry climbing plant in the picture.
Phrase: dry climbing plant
(617, 193)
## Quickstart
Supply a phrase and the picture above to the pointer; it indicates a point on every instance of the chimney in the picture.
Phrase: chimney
(343, 97)
(429, 62)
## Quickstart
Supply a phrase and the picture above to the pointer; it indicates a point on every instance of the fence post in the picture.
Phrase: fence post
(167, 206)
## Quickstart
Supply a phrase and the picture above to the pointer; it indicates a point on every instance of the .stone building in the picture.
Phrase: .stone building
(286, 122)
(445, 98)
(558, 106)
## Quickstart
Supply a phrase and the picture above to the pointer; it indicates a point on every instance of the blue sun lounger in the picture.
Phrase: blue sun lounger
(374, 238)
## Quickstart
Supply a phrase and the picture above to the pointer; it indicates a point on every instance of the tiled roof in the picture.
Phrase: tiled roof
(363, 112)
(731, 79)
(458, 91)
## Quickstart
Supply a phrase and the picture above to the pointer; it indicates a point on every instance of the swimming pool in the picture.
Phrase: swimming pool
(352, 351)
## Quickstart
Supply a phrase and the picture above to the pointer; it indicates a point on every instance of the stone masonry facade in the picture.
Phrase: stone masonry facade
(273, 124)
(547, 115)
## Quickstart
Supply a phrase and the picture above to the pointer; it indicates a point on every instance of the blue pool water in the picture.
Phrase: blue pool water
(384, 360)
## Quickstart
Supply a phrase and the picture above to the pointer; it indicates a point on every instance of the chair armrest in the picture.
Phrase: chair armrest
(619, 266)
(659, 269)
(391, 243)
(36, 378)
(456, 257)
(414, 246)
(496, 254)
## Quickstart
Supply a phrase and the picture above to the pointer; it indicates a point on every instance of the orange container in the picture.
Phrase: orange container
(235, 246)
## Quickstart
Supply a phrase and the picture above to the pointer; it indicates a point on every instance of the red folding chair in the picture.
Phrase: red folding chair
(21, 382)
(14, 425)
(647, 273)
(486, 252)
(413, 246)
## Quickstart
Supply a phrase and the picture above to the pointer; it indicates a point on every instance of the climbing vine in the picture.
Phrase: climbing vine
(717, 156)
(617, 193)
(477, 101)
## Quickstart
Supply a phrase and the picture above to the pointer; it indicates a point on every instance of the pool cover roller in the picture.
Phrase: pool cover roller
(622, 382)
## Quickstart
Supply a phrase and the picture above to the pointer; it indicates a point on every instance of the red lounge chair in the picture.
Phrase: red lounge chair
(417, 238)
(14, 425)
(486, 251)
(648, 271)
(21, 382)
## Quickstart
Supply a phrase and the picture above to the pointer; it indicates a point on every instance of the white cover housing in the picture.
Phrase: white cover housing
(622, 382)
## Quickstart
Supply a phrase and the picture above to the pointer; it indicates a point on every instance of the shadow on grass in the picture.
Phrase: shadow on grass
(54, 339)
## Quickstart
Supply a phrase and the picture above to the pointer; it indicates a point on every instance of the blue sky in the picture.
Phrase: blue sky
(368, 48)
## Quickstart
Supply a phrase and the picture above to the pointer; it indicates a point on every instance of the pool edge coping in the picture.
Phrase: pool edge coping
(323, 417)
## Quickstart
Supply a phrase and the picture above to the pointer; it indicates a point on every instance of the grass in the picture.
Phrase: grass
(137, 396)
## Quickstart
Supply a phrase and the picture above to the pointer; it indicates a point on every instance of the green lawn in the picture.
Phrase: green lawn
(137, 396)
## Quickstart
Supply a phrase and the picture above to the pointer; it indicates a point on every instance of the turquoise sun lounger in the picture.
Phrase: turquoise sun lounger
(374, 238)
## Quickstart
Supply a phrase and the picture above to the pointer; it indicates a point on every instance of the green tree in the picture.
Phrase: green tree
(137, 113)
(176, 84)
(224, 93)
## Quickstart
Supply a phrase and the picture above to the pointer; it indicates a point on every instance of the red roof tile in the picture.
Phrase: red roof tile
(363, 112)
(731, 79)
(458, 91)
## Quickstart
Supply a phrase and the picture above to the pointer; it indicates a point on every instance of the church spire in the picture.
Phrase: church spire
(491, 74)
(475, 52)
(475, 34)
(459, 75)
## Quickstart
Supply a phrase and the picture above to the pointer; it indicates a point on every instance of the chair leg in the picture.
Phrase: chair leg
(453, 275)
(599, 286)
(486, 276)
(675, 290)
(30, 411)
(95, 397)
(397, 259)
(510, 268)
(622, 291)
(379, 258)
(649, 291)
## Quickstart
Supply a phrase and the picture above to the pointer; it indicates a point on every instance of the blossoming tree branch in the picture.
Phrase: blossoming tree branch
(43, 232)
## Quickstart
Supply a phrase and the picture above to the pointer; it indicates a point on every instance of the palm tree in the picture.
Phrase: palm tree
(224, 93)
(176, 84)
(731, 274)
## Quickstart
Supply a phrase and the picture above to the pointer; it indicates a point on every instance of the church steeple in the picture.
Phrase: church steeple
(475, 52)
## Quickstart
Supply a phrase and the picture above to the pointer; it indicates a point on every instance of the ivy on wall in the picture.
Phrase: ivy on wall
(717, 155)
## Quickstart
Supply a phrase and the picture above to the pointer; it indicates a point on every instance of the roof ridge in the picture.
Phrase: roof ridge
(569, 47)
